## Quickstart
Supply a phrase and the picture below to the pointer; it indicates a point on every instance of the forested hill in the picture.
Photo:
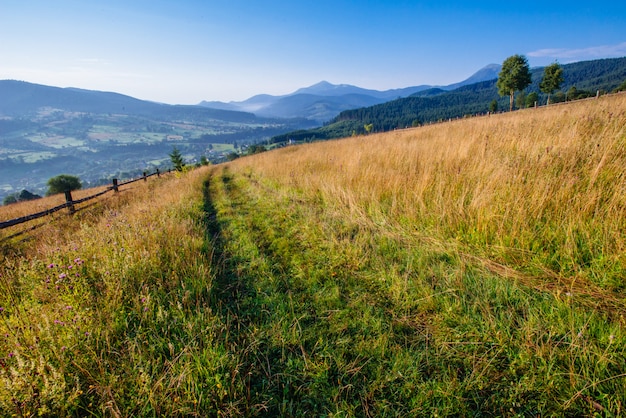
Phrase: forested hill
(581, 79)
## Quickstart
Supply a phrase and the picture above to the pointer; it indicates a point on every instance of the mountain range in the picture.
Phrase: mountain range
(323, 101)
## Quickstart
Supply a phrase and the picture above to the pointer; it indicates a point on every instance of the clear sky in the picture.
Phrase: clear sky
(186, 51)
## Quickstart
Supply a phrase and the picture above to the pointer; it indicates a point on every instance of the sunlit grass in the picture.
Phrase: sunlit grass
(108, 314)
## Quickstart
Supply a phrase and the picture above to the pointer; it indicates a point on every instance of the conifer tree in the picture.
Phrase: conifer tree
(177, 159)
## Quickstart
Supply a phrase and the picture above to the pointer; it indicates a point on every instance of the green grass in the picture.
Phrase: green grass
(328, 317)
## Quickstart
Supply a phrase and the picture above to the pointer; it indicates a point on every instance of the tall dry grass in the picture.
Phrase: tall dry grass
(541, 190)
(104, 312)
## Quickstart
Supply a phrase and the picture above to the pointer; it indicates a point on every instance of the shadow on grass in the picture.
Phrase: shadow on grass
(269, 376)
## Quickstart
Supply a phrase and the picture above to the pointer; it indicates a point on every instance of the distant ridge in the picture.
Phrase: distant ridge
(20, 97)
(323, 101)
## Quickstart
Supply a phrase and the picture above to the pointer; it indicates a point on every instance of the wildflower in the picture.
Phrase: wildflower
(77, 274)
(143, 300)
(1, 309)
(611, 338)
(78, 261)
(62, 276)
(11, 355)
(68, 307)
(71, 266)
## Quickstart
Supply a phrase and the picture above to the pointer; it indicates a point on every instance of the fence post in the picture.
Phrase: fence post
(144, 176)
(115, 188)
(158, 173)
(69, 201)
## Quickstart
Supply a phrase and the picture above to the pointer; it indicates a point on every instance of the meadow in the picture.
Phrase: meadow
(470, 268)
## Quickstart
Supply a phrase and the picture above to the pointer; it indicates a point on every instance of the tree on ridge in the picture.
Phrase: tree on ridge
(63, 183)
(552, 79)
(514, 76)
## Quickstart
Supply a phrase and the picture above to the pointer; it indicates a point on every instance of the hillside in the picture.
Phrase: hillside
(471, 268)
(432, 105)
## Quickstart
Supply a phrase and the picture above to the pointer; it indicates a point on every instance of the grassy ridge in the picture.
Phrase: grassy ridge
(469, 268)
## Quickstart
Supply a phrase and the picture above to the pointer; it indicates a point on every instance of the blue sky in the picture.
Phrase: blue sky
(187, 51)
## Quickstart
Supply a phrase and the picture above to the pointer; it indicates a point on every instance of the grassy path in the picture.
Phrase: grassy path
(328, 315)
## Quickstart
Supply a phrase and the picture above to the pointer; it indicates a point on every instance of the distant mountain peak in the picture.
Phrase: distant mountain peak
(326, 88)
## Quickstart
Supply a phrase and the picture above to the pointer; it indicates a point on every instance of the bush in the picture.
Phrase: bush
(63, 183)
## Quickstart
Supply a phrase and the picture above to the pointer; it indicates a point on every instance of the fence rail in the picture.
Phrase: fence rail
(69, 202)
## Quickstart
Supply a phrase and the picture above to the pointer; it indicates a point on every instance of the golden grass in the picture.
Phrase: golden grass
(543, 189)
(56, 223)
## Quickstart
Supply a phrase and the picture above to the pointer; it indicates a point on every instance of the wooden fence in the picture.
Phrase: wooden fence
(69, 202)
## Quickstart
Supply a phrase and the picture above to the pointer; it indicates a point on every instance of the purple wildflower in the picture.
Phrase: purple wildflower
(62, 276)
(51, 265)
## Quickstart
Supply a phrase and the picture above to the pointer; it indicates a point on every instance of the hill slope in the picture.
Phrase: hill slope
(474, 268)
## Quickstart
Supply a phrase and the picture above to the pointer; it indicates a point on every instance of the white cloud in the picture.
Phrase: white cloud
(570, 55)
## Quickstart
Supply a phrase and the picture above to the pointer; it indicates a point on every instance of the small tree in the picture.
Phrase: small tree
(514, 76)
(493, 106)
(552, 79)
(177, 159)
(368, 128)
(63, 183)
(532, 99)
